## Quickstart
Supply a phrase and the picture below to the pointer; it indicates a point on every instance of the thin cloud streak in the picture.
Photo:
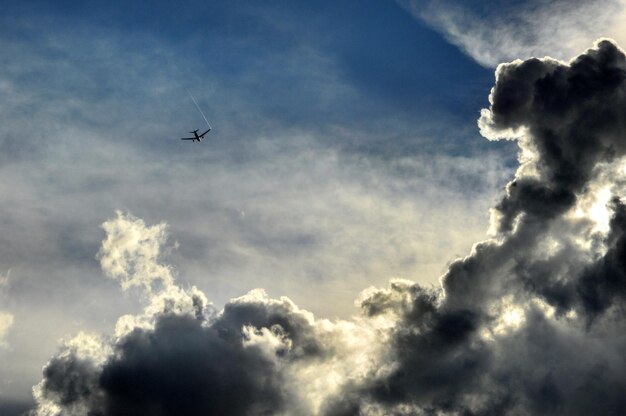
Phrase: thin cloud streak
(495, 32)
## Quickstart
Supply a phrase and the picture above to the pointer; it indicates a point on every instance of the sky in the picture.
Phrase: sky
(404, 207)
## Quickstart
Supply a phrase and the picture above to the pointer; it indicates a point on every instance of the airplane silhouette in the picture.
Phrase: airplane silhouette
(197, 137)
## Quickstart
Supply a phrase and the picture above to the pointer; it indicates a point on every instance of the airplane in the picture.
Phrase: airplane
(197, 137)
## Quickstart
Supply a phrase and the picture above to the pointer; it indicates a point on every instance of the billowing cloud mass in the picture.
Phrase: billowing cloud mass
(492, 32)
(182, 357)
(531, 322)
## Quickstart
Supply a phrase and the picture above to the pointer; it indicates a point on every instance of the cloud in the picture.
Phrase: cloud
(14, 407)
(572, 116)
(531, 319)
(6, 319)
(334, 205)
(4, 279)
(6, 322)
(130, 253)
(494, 32)
(530, 322)
(180, 356)
(177, 367)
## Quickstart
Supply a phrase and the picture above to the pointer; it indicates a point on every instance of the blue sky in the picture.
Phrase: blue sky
(345, 149)
(327, 64)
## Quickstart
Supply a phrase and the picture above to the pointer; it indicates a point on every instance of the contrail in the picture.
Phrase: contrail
(198, 107)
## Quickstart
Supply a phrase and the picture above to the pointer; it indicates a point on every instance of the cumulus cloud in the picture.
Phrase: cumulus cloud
(530, 322)
(494, 32)
(180, 356)
(130, 253)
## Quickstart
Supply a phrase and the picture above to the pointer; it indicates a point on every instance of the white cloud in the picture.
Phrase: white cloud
(560, 29)
(4, 279)
(131, 253)
(6, 318)
(6, 322)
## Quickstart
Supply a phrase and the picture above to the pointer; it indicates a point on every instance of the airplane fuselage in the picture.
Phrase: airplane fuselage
(196, 137)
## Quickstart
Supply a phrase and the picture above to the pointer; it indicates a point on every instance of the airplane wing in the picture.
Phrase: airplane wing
(202, 135)
(188, 138)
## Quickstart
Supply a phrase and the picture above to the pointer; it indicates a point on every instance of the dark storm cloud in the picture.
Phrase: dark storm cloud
(69, 381)
(183, 366)
(530, 323)
(574, 116)
(605, 281)
(455, 354)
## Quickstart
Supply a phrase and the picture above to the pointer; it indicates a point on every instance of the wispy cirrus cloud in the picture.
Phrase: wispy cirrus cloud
(495, 32)
(6, 322)
(6, 319)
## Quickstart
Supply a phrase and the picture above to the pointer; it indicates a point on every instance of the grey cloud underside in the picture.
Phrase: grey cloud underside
(178, 368)
(530, 323)
(185, 365)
